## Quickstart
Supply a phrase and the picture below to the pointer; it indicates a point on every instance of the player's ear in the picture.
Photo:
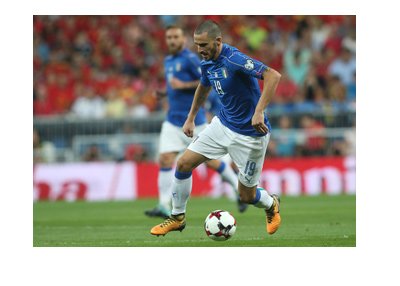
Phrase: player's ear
(218, 40)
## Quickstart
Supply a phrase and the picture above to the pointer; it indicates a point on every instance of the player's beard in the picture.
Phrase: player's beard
(213, 52)
(175, 49)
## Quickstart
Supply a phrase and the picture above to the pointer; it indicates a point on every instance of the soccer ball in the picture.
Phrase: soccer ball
(220, 225)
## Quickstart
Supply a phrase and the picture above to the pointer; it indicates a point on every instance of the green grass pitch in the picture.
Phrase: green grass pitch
(306, 221)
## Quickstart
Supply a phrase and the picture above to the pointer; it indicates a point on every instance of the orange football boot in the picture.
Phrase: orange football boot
(273, 216)
(173, 223)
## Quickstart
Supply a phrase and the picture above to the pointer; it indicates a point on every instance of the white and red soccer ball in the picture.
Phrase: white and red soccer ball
(220, 225)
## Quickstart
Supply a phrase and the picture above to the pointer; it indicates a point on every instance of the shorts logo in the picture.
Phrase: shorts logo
(249, 65)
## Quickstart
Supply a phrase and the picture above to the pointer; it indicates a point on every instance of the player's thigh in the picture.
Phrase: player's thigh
(213, 164)
(171, 139)
(212, 142)
(248, 154)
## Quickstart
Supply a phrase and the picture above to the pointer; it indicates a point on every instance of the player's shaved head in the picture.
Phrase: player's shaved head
(210, 27)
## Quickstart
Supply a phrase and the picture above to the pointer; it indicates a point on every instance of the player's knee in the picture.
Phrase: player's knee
(166, 160)
(184, 165)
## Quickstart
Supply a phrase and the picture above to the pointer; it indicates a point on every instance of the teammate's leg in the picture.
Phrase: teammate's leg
(165, 175)
(171, 143)
(229, 176)
(181, 189)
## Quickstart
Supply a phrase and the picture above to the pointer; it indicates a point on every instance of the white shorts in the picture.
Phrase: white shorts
(172, 138)
(247, 152)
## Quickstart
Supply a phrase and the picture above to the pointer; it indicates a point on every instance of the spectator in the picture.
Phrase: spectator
(286, 89)
(105, 51)
(319, 34)
(135, 108)
(115, 106)
(135, 152)
(297, 64)
(41, 104)
(43, 152)
(286, 142)
(87, 105)
(60, 93)
(336, 90)
(92, 154)
(344, 67)
(315, 141)
(350, 139)
(254, 34)
(351, 90)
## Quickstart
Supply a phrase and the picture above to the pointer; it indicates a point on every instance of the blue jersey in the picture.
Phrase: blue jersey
(233, 76)
(184, 66)
(213, 103)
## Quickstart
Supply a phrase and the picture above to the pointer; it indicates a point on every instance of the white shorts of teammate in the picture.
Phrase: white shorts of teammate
(172, 138)
(247, 152)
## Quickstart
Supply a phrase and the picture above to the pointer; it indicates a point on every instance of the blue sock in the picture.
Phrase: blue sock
(262, 199)
(221, 167)
(182, 175)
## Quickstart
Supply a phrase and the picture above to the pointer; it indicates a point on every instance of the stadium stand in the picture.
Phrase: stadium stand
(94, 79)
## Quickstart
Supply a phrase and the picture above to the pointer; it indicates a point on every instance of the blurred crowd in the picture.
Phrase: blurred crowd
(110, 66)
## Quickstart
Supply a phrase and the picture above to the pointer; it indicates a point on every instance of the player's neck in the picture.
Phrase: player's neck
(179, 51)
(218, 52)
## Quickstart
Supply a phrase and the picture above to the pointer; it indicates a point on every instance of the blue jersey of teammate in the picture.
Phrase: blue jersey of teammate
(184, 66)
(213, 103)
(233, 76)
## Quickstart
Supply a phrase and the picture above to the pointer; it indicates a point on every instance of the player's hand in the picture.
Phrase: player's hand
(258, 122)
(176, 83)
(159, 93)
(188, 128)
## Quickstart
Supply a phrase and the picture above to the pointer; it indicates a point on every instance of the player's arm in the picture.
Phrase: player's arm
(193, 69)
(160, 93)
(271, 80)
(178, 84)
(200, 97)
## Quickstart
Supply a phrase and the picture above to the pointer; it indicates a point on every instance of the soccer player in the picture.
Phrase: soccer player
(182, 73)
(241, 129)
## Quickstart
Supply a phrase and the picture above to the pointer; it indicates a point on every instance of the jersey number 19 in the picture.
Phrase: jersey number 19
(218, 87)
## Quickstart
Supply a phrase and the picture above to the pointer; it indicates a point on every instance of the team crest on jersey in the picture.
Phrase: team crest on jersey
(178, 67)
(249, 65)
(224, 73)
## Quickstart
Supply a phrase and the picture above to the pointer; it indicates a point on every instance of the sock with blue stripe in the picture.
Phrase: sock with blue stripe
(165, 176)
(263, 199)
(181, 189)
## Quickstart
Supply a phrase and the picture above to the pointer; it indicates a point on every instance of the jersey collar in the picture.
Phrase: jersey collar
(223, 51)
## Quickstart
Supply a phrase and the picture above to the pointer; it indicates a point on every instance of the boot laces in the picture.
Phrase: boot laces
(168, 221)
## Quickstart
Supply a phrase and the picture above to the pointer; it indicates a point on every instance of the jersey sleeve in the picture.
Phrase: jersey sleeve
(242, 63)
(204, 79)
